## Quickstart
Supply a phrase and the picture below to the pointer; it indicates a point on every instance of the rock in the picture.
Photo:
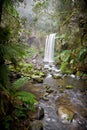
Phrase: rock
(61, 90)
(65, 114)
(44, 98)
(46, 94)
(72, 76)
(57, 76)
(69, 87)
(37, 78)
(36, 125)
(47, 87)
(49, 91)
(40, 113)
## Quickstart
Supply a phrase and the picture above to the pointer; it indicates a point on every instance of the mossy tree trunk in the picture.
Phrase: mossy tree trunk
(1, 8)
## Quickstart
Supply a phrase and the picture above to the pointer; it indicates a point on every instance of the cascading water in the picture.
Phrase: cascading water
(49, 53)
(49, 48)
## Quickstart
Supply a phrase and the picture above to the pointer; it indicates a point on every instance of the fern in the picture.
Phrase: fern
(10, 51)
(65, 55)
(20, 82)
(82, 53)
(26, 96)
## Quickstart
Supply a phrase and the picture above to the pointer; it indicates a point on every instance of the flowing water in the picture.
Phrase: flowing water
(49, 48)
(64, 109)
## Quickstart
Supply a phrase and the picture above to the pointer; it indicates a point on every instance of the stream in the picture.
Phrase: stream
(60, 107)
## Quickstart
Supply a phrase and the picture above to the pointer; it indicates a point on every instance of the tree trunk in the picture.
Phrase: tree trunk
(1, 7)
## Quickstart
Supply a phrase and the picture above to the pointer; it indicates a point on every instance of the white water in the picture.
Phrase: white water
(49, 48)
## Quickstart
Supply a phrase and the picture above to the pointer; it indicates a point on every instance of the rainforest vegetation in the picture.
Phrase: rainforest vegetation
(19, 50)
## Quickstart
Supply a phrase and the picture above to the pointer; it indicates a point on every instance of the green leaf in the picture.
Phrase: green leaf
(81, 53)
(20, 82)
(27, 98)
(72, 61)
(65, 55)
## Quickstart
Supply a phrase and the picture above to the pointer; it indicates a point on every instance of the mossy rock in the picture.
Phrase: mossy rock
(57, 76)
(69, 87)
(61, 90)
(49, 91)
(36, 125)
(65, 68)
(79, 73)
(37, 78)
(65, 114)
(47, 87)
(45, 98)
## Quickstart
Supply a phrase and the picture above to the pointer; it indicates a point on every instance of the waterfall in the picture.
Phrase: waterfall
(49, 48)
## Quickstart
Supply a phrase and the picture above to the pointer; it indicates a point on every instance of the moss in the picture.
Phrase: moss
(57, 76)
(69, 87)
(65, 68)
(47, 87)
(61, 90)
(70, 117)
(79, 73)
(49, 91)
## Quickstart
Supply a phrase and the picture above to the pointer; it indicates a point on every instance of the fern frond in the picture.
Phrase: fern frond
(27, 98)
(20, 82)
(10, 51)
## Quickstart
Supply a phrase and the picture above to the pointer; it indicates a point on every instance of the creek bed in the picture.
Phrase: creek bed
(64, 108)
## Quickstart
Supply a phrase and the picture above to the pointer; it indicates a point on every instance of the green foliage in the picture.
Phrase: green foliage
(4, 75)
(20, 82)
(6, 122)
(61, 39)
(9, 52)
(4, 35)
(15, 104)
(27, 98)
(31, 52)
(82, 54)
(65, 55)
(10, 8)
(65, 68)
(12, 51)
(72, 27)
(39, 5)
(24, 96)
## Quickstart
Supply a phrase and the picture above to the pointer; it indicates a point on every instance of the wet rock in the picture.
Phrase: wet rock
(61, 90)
(76, 126)
(51, 120)
(44, 98)
(57, 76)
(37, 78)
(49, 91)
(36, 125)
(46, 94)
(40, 113)
(69, 87)
(65, 114)
(82, 122)
(84, 77)
(72, 76)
